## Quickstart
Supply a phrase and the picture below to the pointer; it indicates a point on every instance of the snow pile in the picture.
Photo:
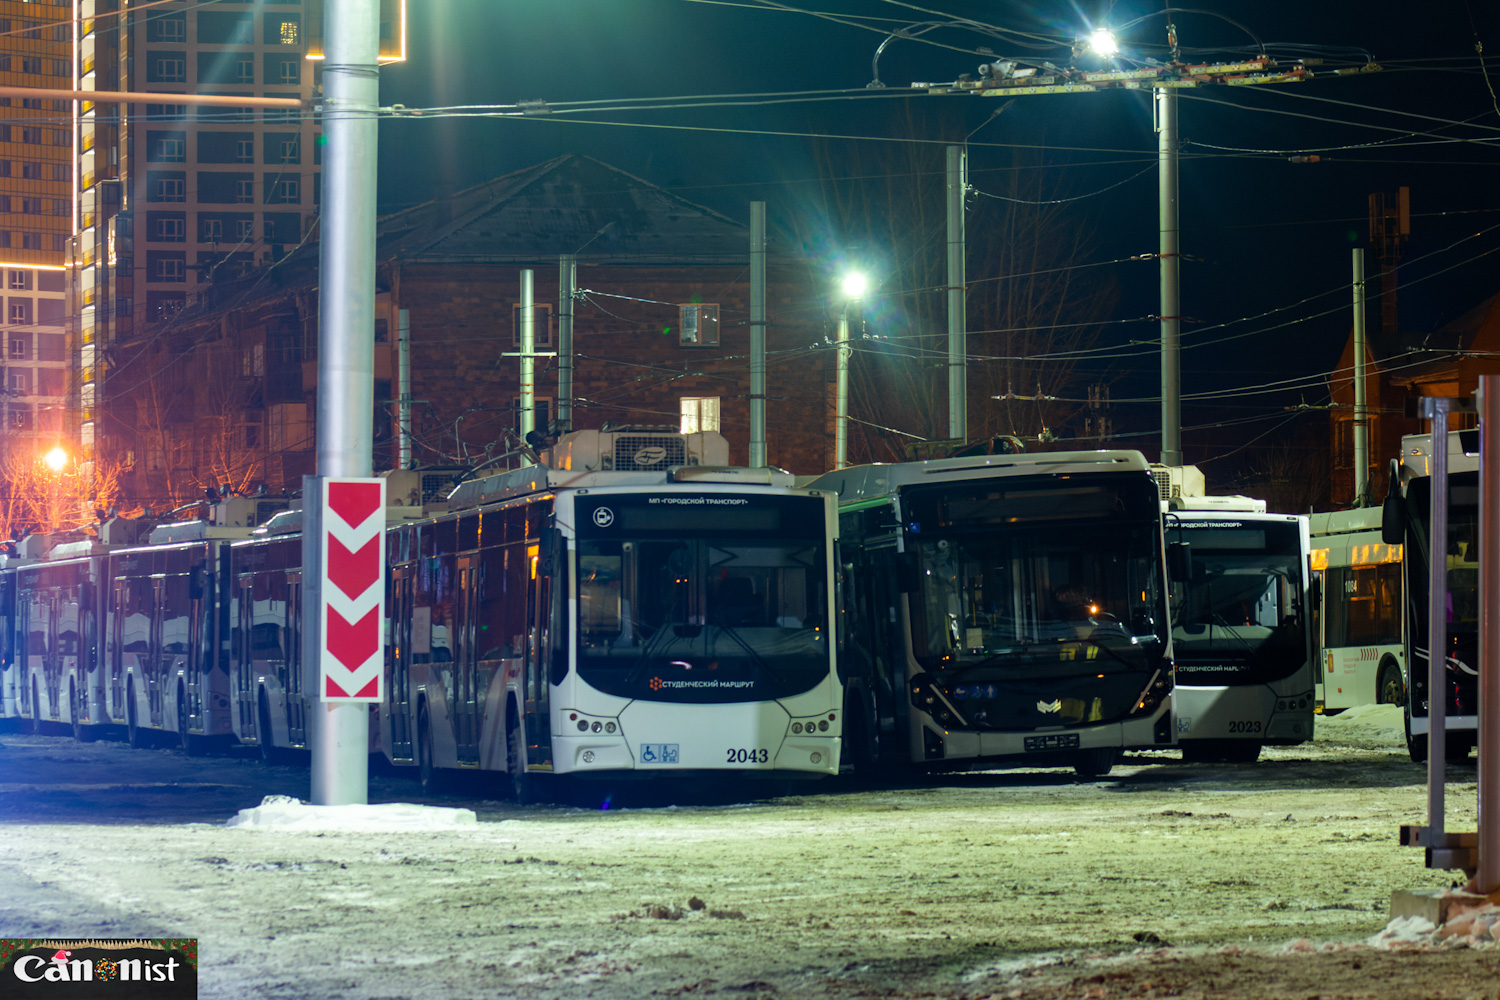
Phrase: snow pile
(1370, 726)
(287, 813)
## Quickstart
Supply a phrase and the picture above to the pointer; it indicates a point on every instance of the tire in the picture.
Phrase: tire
(138, 737)
(269, 751)
(429, 774)
(525, 788)
(1390, 689)
(1456, 746)
(1416, 746)
(82, 733)
(193, 746)
(1095, 763)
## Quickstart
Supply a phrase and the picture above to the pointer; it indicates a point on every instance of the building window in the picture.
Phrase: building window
(166, 28)
(20, 279)
(55, 171)
(31, 206)
(167, 147)
(289, 150)
(165, 186)
(283, 190)
(19, 417)
(244, 151)
(287, 32)
(20, 349)
(170, 230)
(19, 311)
(31, 134)
(31, 241)
(541, 325)
(164, 69)
(699, 325)
(60, 137)
(166, 265)
(244, 192)
(213, 230)
(166, 112)
(541, 410)
(31, 64)
(19, 382)
(244, 70)
(56, 242)
(699, 414)
(61, 206)
(62, 67)
(283, 70)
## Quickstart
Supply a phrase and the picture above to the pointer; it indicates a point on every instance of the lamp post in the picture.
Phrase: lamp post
(853, 287)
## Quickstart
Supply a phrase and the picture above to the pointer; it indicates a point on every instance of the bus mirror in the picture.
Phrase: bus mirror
(1179, 561)
(1392, 521)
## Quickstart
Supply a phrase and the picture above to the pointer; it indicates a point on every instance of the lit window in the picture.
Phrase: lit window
(700, 413)
(288, 32)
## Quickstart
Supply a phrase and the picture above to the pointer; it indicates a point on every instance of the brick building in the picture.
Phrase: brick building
(661, 336)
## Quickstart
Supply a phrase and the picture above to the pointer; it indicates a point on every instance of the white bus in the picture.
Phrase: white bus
(1003, 609)
(1359, 618)
(1240, 629)
(634, 608)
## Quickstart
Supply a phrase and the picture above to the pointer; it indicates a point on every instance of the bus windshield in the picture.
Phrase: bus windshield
(702, 619)
(1240, 611)
(1009, 574)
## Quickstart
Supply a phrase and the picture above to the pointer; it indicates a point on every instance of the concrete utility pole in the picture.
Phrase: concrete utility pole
(958, 354)
(1170, 259)
(528, 358)
(758, 335)
(340, 735)
(403, 388)
(1361, 426)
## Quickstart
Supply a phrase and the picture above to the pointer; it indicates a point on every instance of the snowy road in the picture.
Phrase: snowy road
(1163, 880)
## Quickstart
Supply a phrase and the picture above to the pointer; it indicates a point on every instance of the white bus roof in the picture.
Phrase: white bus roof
(862, 482)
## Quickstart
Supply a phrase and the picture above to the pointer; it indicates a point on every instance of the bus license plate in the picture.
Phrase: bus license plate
(1052, 741)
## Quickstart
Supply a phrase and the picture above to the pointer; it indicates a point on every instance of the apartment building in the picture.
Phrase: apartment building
(172, 197)
(36, 217)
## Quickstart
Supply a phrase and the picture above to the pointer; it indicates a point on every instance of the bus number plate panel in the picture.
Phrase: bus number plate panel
(1052, 741)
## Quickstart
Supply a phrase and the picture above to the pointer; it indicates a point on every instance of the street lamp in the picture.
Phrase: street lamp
(56, 459)
(853, 286)
(1102, 42)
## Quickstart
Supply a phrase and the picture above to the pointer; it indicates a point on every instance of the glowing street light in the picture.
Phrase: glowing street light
(854, 285)
(56, 459)
(1102, 42)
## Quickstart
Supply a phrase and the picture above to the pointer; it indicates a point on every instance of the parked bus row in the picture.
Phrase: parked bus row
(634, 607)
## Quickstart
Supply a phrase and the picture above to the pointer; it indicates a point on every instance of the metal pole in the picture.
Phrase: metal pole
(1361, 427)
(1437, 630)
(757, 335)
(567, 284)
(403, 388)
(346, 352)
(528, 359)
(1488, 878)
(958, 374)
(1170, 262)
(841, 417)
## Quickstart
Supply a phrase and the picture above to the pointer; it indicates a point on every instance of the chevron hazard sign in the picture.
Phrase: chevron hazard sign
(353, 590)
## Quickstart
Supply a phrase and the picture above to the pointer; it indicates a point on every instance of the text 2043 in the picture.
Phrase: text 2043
(1244, 727)
(748, 757)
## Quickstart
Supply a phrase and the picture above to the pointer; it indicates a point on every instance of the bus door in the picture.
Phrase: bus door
(157, 664)
(242, 660)
(538, 641)
(296, 720)
(398, 684)
(466, 689)
(116, 699)
(59, 604)
(200, 652)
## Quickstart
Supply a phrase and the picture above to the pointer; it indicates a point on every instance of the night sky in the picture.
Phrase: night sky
(1266, 236)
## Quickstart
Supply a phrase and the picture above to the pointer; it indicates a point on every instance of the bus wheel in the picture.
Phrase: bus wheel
(1095, 763)
(1416, 746)
(36, 711)
(428, 773)
(1456, 746)
(138, 737)
(1390, 690)
(269, 751)
(192, 745)
(524, 786)
(81, 732)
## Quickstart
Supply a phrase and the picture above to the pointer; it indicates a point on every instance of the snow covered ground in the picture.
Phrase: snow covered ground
(1166, 879)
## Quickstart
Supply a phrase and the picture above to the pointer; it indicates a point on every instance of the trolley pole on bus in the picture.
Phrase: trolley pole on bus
(1487, 879)
(340, 731)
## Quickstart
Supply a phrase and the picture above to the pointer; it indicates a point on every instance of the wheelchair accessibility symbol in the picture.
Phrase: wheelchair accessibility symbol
(659, 753)
(603, 517)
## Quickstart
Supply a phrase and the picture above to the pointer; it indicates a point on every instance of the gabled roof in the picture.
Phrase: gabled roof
(1470, 343)
(573, 204)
